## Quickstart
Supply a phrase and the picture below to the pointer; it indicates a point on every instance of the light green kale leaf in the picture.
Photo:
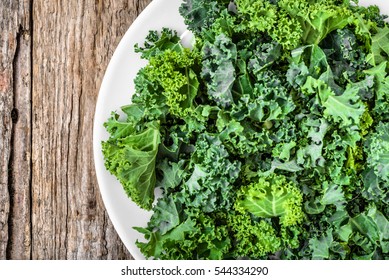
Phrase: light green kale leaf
(132, 159)
(318, 18)
(156, 43)
(266, 17)
(254, 239)
(379, 47)
(272, 196)
(172, 71)
(346, 109)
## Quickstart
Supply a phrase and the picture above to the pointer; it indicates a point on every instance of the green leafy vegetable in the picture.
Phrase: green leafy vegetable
(268, 139)
(272, 197)
(380, 46)
(132, 160)
(219, 69)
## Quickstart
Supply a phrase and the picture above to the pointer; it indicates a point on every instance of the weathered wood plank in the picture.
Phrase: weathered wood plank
(15, 129)
(72, 44)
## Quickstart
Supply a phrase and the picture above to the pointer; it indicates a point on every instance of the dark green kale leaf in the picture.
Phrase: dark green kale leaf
(218, 71)
(199, 15)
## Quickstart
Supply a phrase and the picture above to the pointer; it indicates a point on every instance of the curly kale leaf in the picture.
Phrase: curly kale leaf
(331, 195)
(263, 16)
(254, 239)
(317, 19)
(320, 246)
(199, 15)
(257, 15)
(131, 158)
(162, 246)
(315, 130)
(270, 99)
(272, 196)
(173, 174)
(377, 149)
(242, 138)
(173, 72)
(218, 71)
(197, 236)
(156, 43)
(210, 186)
(345, 109)
(166, 215)
(381, 86)
(119, 128)
(371, 15)
(380, 47)
(368, 233)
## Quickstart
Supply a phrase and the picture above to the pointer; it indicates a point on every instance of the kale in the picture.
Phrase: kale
(269, 138)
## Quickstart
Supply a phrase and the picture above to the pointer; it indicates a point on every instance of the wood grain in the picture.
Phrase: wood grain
(15, 129)
(53, 55)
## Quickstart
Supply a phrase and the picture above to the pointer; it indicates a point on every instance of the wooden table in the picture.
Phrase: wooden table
(53, 55)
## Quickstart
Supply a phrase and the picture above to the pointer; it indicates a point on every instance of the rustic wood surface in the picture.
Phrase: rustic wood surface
(53, 55)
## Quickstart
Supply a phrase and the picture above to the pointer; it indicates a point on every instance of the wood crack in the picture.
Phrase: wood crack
(104, 238)
(14, 118)
(30, 192)
(67, 194)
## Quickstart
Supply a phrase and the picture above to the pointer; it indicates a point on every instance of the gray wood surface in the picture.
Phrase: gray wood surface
(53, 55)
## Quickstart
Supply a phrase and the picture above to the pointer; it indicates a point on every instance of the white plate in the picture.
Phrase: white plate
(116, 90)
